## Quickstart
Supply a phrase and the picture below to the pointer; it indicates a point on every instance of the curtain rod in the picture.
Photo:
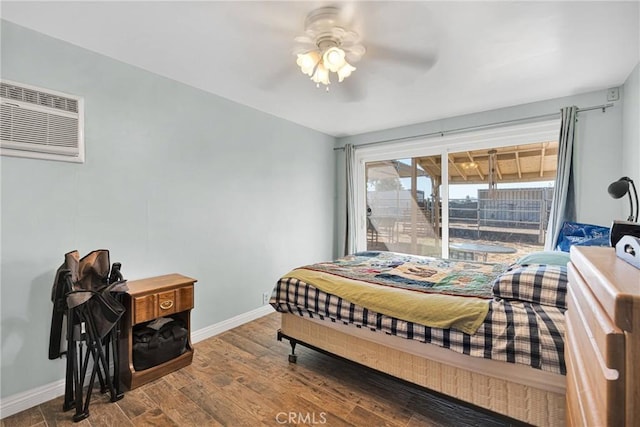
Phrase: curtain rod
(602, 107)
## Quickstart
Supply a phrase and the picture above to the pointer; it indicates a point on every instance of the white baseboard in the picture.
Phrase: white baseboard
(28, 399)
(225, 325)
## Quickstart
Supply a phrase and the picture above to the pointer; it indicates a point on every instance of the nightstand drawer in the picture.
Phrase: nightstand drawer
(161, 304)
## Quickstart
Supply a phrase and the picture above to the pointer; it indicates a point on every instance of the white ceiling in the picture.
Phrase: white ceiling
(465, 56)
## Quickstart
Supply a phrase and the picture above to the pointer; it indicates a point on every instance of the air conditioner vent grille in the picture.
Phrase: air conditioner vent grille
(36, 97)
(41, 124)
(34, 127)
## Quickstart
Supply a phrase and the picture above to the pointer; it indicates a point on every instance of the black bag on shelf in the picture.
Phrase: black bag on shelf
(153, 346)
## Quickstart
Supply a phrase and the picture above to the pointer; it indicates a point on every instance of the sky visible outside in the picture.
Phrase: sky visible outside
(461, 191)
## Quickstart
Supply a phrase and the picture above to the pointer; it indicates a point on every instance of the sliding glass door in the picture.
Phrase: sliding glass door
(484, 199)
(403, 209)
(499, 200)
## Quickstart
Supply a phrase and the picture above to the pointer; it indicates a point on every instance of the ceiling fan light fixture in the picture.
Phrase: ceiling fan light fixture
(321, 75)
(331, 44)
(308, 61)
(318, 65)
(333, 59)
(345, 71)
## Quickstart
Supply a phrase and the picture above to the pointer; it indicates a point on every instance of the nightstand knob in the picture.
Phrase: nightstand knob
(166, 305)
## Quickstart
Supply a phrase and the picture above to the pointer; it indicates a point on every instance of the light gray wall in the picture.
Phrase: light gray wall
(631, 131)
(176, 180)
(597, 151)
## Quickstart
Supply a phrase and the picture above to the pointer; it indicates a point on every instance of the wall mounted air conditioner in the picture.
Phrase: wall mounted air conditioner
(41, 123)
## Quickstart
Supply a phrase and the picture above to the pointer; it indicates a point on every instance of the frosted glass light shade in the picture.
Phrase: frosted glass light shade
(308, 61)
(345, 71)
(319, 65)
(321, 75)
(333, 59)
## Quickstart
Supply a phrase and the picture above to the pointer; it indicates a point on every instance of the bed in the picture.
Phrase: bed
(488, 334)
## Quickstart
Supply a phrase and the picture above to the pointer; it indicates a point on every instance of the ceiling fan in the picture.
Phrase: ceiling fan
(328, 46)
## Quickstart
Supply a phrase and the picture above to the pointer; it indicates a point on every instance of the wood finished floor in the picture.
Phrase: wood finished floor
(242, 378)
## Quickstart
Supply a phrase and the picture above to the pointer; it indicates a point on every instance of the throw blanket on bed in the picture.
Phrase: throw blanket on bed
(424, 274)
(390, 281)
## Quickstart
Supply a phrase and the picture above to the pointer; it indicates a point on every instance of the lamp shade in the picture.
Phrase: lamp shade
(624, 186)
(619, 188)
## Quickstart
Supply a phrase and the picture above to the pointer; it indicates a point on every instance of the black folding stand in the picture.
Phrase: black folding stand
(100, 351)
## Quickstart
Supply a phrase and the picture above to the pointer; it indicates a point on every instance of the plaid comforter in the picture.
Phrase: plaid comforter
(513, 331)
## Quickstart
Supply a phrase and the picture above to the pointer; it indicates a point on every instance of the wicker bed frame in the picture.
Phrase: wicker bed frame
(517, 391)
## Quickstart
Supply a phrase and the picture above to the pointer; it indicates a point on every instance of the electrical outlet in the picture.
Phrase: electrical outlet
(613, 94)
(265, 298)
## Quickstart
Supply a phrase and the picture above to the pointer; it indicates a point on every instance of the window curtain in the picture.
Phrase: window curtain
(563, 205)
(351, 225)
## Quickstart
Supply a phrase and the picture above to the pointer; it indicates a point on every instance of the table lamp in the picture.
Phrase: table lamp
(630, 227)
(619, 188)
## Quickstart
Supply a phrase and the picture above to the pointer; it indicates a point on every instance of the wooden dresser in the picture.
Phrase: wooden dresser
(602, 339)
(148, 299)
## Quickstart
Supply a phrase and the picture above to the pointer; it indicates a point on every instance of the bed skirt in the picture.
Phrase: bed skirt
(534, 397)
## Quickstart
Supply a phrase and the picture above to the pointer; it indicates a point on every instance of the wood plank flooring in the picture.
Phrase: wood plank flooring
(242, 378)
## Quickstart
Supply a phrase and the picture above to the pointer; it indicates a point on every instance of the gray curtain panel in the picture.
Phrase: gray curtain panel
(563, 205)
(350, 230)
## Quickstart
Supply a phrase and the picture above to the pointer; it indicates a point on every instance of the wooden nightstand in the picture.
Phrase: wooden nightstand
(148, 299)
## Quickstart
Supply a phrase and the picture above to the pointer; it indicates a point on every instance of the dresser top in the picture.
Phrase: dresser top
(614, 282)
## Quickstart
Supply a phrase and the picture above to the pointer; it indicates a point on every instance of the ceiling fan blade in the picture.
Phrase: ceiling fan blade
(302, 49)
(354, 52)
(420, 60)
(351, 89)
(347, 14)
(304, 40)
(278, 76)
